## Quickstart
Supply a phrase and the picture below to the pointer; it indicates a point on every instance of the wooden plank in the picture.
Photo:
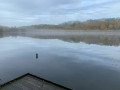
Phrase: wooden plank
(31, 82)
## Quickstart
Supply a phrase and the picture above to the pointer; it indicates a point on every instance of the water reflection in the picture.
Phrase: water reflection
(100, 40)
(110, 38)
(79, 66)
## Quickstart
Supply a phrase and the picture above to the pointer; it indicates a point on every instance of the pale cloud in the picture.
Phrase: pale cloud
(28, 12)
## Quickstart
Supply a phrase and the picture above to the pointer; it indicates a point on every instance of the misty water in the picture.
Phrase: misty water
(80, 63)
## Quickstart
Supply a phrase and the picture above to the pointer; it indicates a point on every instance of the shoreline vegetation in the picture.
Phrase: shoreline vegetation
(97, 36)
(98, 24)
(108, 24)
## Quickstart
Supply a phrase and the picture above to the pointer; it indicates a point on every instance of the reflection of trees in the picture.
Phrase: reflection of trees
(1, 33)
(101, 40)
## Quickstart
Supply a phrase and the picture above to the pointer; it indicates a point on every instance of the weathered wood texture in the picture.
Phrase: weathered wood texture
(31, 82)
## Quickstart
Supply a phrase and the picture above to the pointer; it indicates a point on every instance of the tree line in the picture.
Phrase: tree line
(99, 24)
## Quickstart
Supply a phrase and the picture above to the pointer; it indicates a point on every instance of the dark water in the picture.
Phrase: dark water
(78, 63)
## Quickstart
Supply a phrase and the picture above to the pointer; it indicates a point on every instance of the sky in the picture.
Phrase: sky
(31, 12)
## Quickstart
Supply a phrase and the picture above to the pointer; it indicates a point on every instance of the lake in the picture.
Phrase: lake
(79, 62)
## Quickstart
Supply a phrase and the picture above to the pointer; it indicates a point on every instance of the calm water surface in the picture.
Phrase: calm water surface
(77, 65)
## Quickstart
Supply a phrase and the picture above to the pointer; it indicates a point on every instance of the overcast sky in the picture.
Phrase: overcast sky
(28, 12)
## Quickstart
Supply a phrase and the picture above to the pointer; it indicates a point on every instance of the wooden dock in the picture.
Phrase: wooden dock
(31, 82)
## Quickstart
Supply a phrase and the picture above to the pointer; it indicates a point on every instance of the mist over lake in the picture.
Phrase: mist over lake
(75, 60)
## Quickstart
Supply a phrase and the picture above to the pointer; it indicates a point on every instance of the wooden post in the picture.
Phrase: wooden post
(36, 55)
